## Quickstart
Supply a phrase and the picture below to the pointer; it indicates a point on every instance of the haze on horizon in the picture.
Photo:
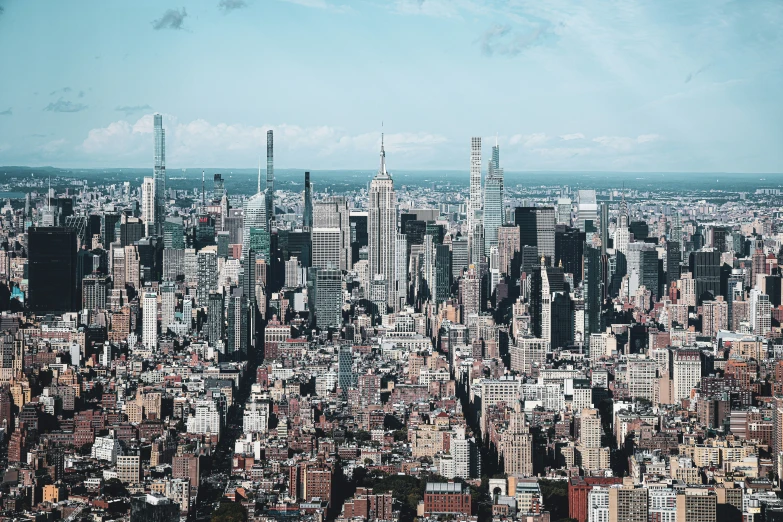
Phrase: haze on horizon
(621, 86)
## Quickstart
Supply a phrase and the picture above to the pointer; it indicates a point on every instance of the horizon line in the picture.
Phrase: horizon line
(309, 169)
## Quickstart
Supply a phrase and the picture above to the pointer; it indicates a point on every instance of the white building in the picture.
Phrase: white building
(206, 419)
(150, 320)
(327, 247)
(598, 505)
(106, 448)
(256, 417)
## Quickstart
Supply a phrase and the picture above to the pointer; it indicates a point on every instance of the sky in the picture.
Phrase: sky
(647, 85)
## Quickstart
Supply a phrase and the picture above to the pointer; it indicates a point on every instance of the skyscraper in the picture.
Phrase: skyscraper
(442, 273)
(493, 211)
(236, 336)
(51, 266)
(255, 208)
(474, 204)
(604, 227)
(307, 216)
(168, 305)
(148, 204)
(328, 298)
(401, 268)
(150, 320)
(270, 179)
(215, 318)
(382, 227)
(159, 172)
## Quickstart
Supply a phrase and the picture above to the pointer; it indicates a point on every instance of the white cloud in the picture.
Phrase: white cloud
(529, 141)
(573, 136)
(53, 146)
(202, 142)
(320, 4)
(623, 143)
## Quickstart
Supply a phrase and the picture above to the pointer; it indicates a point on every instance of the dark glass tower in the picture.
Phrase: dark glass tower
(525, 219)
(705, 267)
(569, 245)
(442, 273)
(308, 203)
(52, 285)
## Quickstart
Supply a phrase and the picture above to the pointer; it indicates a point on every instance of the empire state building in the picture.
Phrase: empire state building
(382, 229)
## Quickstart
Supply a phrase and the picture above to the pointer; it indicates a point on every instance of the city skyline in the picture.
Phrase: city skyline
(641, 88)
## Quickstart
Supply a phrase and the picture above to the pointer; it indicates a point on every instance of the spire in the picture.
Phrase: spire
(382, 170)
(203, 196)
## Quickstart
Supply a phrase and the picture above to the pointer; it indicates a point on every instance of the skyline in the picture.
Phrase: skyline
(564, 87)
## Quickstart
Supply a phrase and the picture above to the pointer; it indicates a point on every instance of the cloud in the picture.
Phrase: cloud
(202, 142)
(133, 109)
(52, 146)
(529, 141)
(320, 4)
(622, 143)
(502, 39)
(574, 136)
(6, 112)
(171, 19)
(62, 105)
(230, 5)
(64, 90)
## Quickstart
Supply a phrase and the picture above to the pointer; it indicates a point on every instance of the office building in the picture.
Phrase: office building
(51, 270)
(382, 226)
(159, 172)
(148, 205)
(150, 320)
(328, 298)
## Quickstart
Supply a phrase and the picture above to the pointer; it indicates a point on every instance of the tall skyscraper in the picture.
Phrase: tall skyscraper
(236, 336)
(592, 292)
(474, 204)
(255, 208)
(333, 213)
(159, 172)
(307, 216)
(51, 270)
(382, 225)
(604, 227)
(493, 211)
(270, 178)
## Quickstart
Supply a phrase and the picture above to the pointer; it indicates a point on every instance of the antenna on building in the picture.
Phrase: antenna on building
(203, 195)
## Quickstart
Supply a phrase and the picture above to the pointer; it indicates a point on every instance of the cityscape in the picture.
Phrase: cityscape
(469, 338)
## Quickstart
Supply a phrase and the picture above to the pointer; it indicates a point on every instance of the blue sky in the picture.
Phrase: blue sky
(613, 85)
